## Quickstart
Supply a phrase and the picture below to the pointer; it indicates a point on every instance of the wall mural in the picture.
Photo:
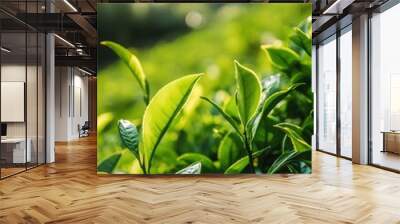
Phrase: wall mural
(201, 88)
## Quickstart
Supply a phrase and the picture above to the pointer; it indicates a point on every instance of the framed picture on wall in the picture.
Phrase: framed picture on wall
(201, 88)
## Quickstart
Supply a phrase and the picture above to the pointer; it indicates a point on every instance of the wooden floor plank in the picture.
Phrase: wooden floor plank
(70, 191)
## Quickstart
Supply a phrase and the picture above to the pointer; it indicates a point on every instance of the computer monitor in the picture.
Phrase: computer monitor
(3, 129)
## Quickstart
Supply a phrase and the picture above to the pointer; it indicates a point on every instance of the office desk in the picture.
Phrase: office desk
(13, 150)
(391, 141)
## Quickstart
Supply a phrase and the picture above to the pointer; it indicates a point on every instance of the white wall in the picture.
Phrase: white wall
(33, 126)
(15, 73)
(80, 110)
(71, 94)
(10, 73)
(62, 81)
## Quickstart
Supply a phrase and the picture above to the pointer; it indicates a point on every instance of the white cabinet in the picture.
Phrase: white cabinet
(19, 155)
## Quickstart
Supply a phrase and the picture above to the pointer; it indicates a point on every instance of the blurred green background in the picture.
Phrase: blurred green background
(173, 40)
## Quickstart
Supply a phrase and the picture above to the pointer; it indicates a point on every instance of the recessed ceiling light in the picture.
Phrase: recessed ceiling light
(84, 71)
(70, 5)
(337, 7)
(5, 50)
(64, 40)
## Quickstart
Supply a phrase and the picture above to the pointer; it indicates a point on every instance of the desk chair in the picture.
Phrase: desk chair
(84, 130)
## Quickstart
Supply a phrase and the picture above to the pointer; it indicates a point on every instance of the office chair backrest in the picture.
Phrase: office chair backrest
(86, 125)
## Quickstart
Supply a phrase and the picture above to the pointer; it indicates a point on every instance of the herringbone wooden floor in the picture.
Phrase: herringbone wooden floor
(69, 191)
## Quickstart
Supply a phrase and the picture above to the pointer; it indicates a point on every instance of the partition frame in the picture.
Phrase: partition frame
(381, 9)
(44, 86)
(339, 32)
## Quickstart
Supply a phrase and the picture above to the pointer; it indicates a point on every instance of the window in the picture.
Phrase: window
(346, 92)
(327, 96)
(385, 89)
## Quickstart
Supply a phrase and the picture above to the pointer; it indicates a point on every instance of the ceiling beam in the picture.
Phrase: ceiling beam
(86, 27)
(338, 6)
(320, 23)
(79, 61)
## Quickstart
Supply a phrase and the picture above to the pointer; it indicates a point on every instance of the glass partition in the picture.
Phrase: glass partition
(385, 89)
(346, 93)
(41, 107)
(32, 95)
(32, 86)
(14, 153)
(327, 95)
(22, 77)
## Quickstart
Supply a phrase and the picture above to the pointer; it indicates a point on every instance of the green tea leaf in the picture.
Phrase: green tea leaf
(302, 40)
(277, 97)
(229, 150)
(103, 120)
(242, 163)
(300, 77)
(297, 129)
(281, 57)
(248, 88)
(284, 159)
(272, 84)
(269, 104)
(227, 117)
(194, 168)
(308, 126)
(292, 132)
(207, 163)
(305, 166)
(108, 164)
(291, 168)
(134, 65)
(281, 161)
(306, 26)
(129, 136)
(230, 108)
(161, 111)
(267, 133)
